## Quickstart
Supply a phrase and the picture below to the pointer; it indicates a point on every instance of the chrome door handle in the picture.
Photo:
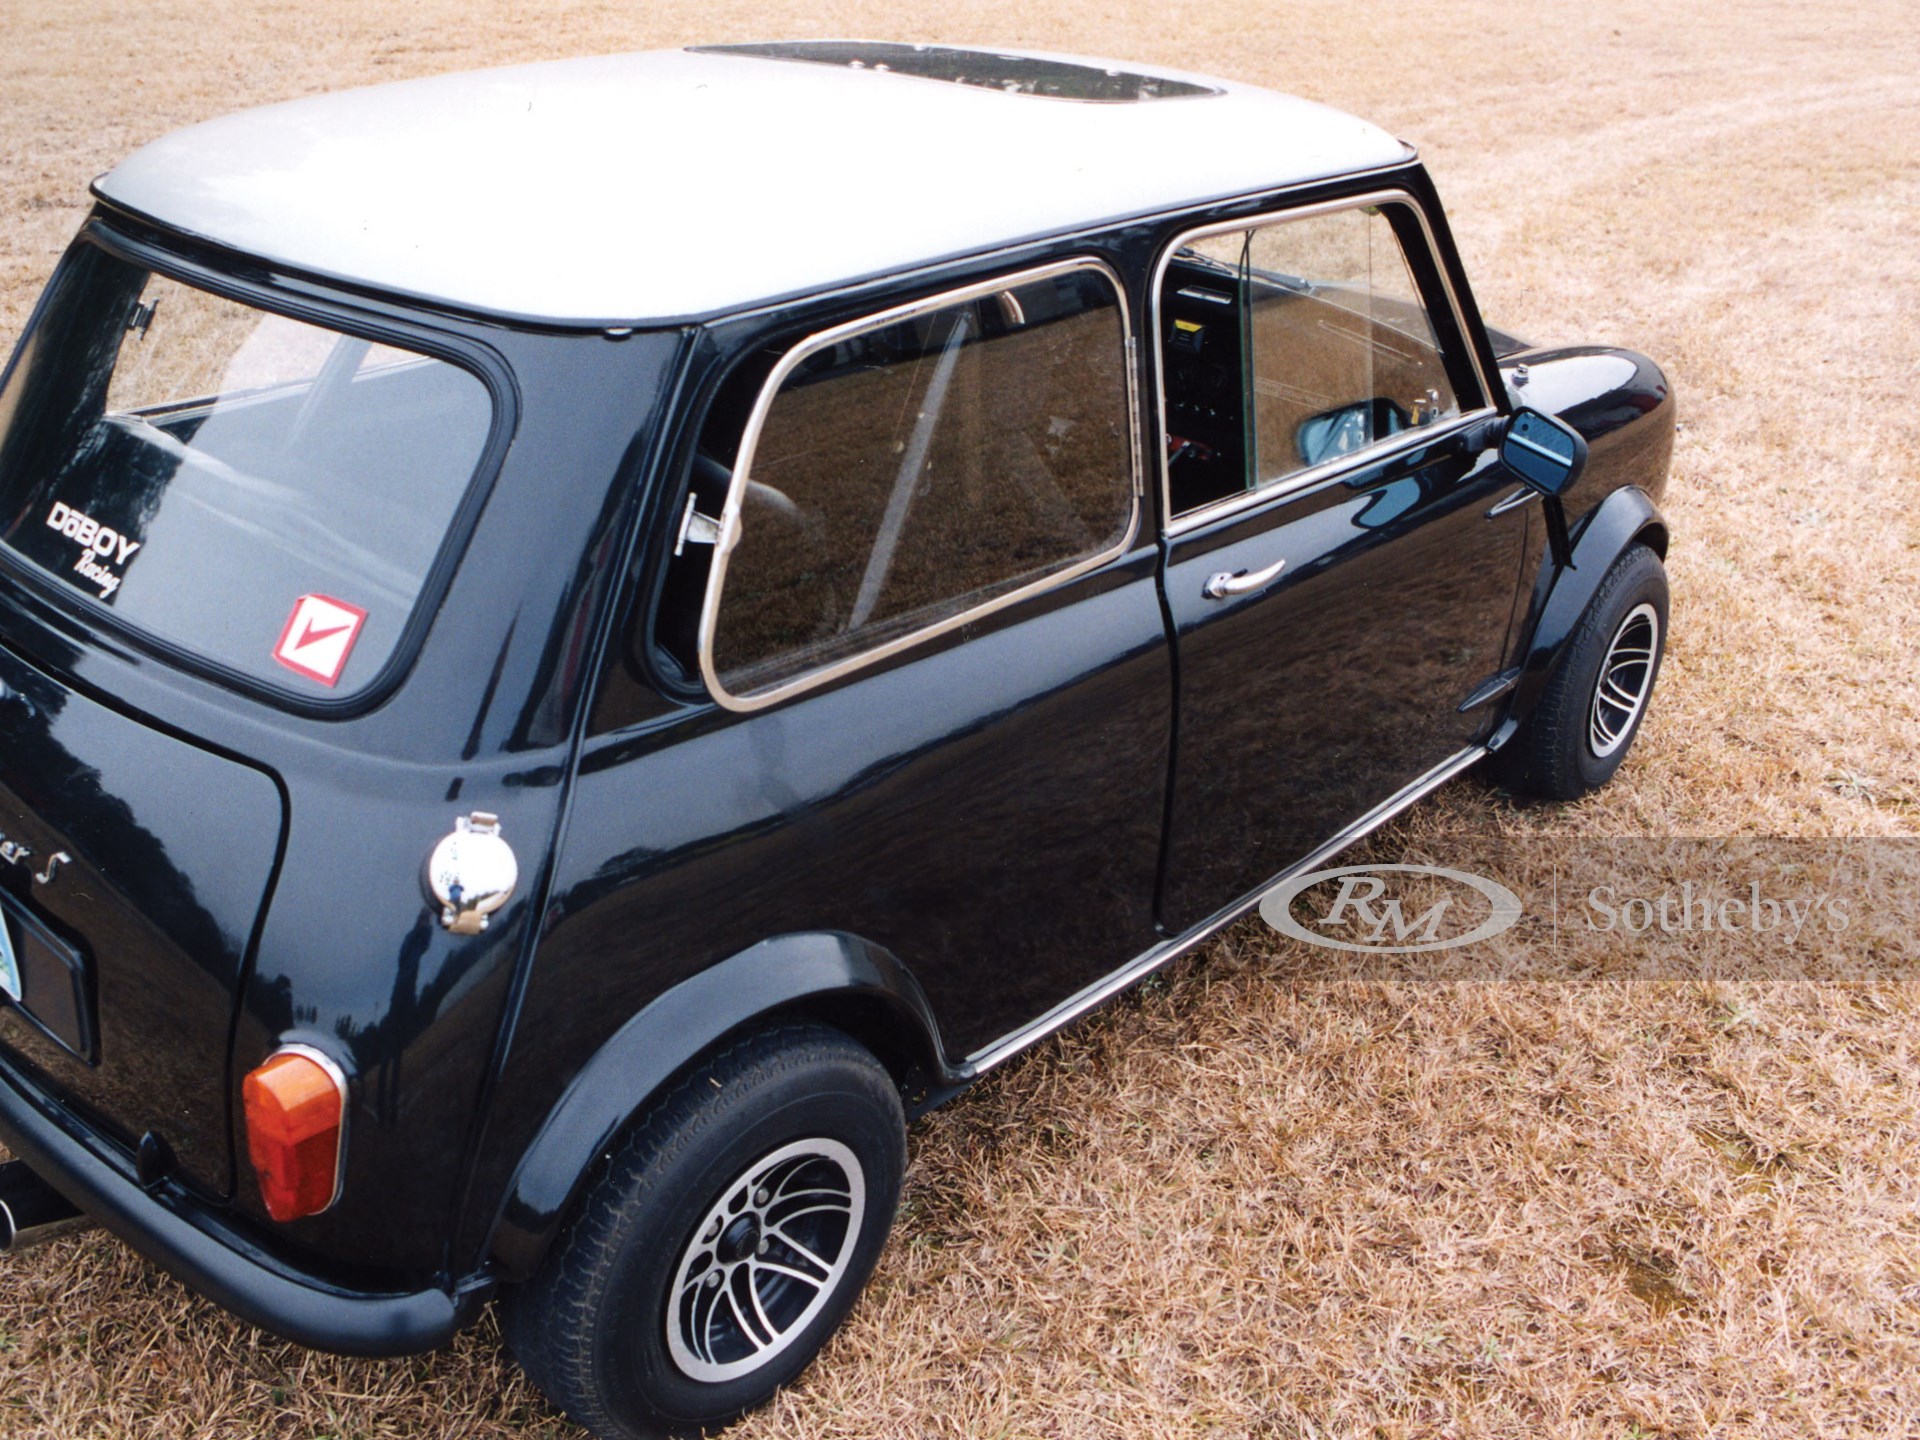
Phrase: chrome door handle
(1513, 501)
(1241, 582)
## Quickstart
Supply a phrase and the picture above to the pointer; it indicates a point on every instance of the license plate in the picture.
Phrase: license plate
(9, 967)
(62, 1005)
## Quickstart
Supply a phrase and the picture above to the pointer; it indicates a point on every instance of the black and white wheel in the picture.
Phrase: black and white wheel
(766, 1259)
(1625, 681)
(1597, 696)
(724, 1241)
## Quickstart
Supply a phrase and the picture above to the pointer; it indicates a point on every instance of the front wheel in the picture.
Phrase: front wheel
(723, 1243)
(1597, 695)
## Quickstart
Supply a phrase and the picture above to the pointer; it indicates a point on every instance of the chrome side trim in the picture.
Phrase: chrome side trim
(1513, 501)
(1143, 965)
(1405, 440)
(729, 524)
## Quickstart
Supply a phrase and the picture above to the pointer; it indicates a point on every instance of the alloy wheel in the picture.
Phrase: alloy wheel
(1626, 677)
(765, 1259)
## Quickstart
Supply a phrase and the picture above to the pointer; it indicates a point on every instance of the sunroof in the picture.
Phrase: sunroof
(1011, 74)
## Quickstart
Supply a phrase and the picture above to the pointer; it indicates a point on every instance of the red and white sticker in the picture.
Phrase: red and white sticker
(319, 637)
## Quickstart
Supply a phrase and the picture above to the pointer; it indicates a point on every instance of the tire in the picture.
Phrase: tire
(1579, 732)
(696, 1278)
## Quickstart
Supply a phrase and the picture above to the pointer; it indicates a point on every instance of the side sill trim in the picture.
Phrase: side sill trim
(1096, 994)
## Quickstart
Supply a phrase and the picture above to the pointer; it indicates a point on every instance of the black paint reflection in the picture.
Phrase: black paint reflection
(171, 849)
(1305, 705)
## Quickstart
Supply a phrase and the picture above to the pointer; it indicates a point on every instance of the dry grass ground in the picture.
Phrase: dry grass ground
(1246, 1200)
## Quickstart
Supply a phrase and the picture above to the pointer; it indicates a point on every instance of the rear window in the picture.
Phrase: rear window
(266, 493)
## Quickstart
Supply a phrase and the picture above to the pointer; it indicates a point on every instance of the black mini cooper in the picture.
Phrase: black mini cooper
(578, 643)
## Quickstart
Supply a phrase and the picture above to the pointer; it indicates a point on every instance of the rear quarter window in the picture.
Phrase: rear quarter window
(265, 493)
(904, 473)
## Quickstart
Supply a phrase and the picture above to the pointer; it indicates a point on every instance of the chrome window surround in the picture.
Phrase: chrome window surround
(1304, 479)
(729, 525)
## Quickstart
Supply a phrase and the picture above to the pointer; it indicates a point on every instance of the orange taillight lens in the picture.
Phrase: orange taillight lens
(296, 1111)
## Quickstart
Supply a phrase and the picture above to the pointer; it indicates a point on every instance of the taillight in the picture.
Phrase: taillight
(295, 1103)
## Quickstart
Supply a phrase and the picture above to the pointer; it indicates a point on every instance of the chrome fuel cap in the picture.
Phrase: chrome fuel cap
(471, 873)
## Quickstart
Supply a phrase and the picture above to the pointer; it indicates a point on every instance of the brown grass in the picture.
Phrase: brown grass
(1245, 1201)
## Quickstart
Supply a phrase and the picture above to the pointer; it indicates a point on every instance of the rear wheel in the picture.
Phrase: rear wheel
(725, 1240)
(1597, 696)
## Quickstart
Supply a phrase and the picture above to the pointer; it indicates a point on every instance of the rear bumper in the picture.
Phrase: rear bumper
(196, 1246)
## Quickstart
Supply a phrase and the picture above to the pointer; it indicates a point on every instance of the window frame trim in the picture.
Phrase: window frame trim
(1381, 450)
(729, 519)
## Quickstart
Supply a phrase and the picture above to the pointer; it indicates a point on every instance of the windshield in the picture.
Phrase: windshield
(266, 493)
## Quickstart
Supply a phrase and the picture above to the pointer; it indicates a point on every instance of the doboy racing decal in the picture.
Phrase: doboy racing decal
(319, 637)
(104, 551)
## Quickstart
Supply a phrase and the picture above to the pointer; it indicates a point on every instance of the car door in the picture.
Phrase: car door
(1341, 563)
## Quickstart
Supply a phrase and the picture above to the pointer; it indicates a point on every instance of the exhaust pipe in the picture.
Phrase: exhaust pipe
(31, 1210)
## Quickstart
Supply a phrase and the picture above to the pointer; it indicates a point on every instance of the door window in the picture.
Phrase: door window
(1291, 345)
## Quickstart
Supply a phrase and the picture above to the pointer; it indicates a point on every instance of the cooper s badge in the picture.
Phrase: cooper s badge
(14, 853)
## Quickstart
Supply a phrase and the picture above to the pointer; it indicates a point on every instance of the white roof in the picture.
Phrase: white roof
(672, 184)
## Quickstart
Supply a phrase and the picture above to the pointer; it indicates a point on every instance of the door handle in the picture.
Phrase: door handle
(1241, 582)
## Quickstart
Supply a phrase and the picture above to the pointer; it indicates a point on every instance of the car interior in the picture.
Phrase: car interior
(1334, 369)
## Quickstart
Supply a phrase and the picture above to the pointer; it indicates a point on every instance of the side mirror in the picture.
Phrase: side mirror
(1548, 454)
(1349, 428)
(1544, 451)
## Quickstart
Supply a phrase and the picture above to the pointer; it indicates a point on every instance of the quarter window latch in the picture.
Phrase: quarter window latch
(696, 528)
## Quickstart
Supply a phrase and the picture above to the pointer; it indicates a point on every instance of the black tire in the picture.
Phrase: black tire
(611, 1325)
(1575, 738)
